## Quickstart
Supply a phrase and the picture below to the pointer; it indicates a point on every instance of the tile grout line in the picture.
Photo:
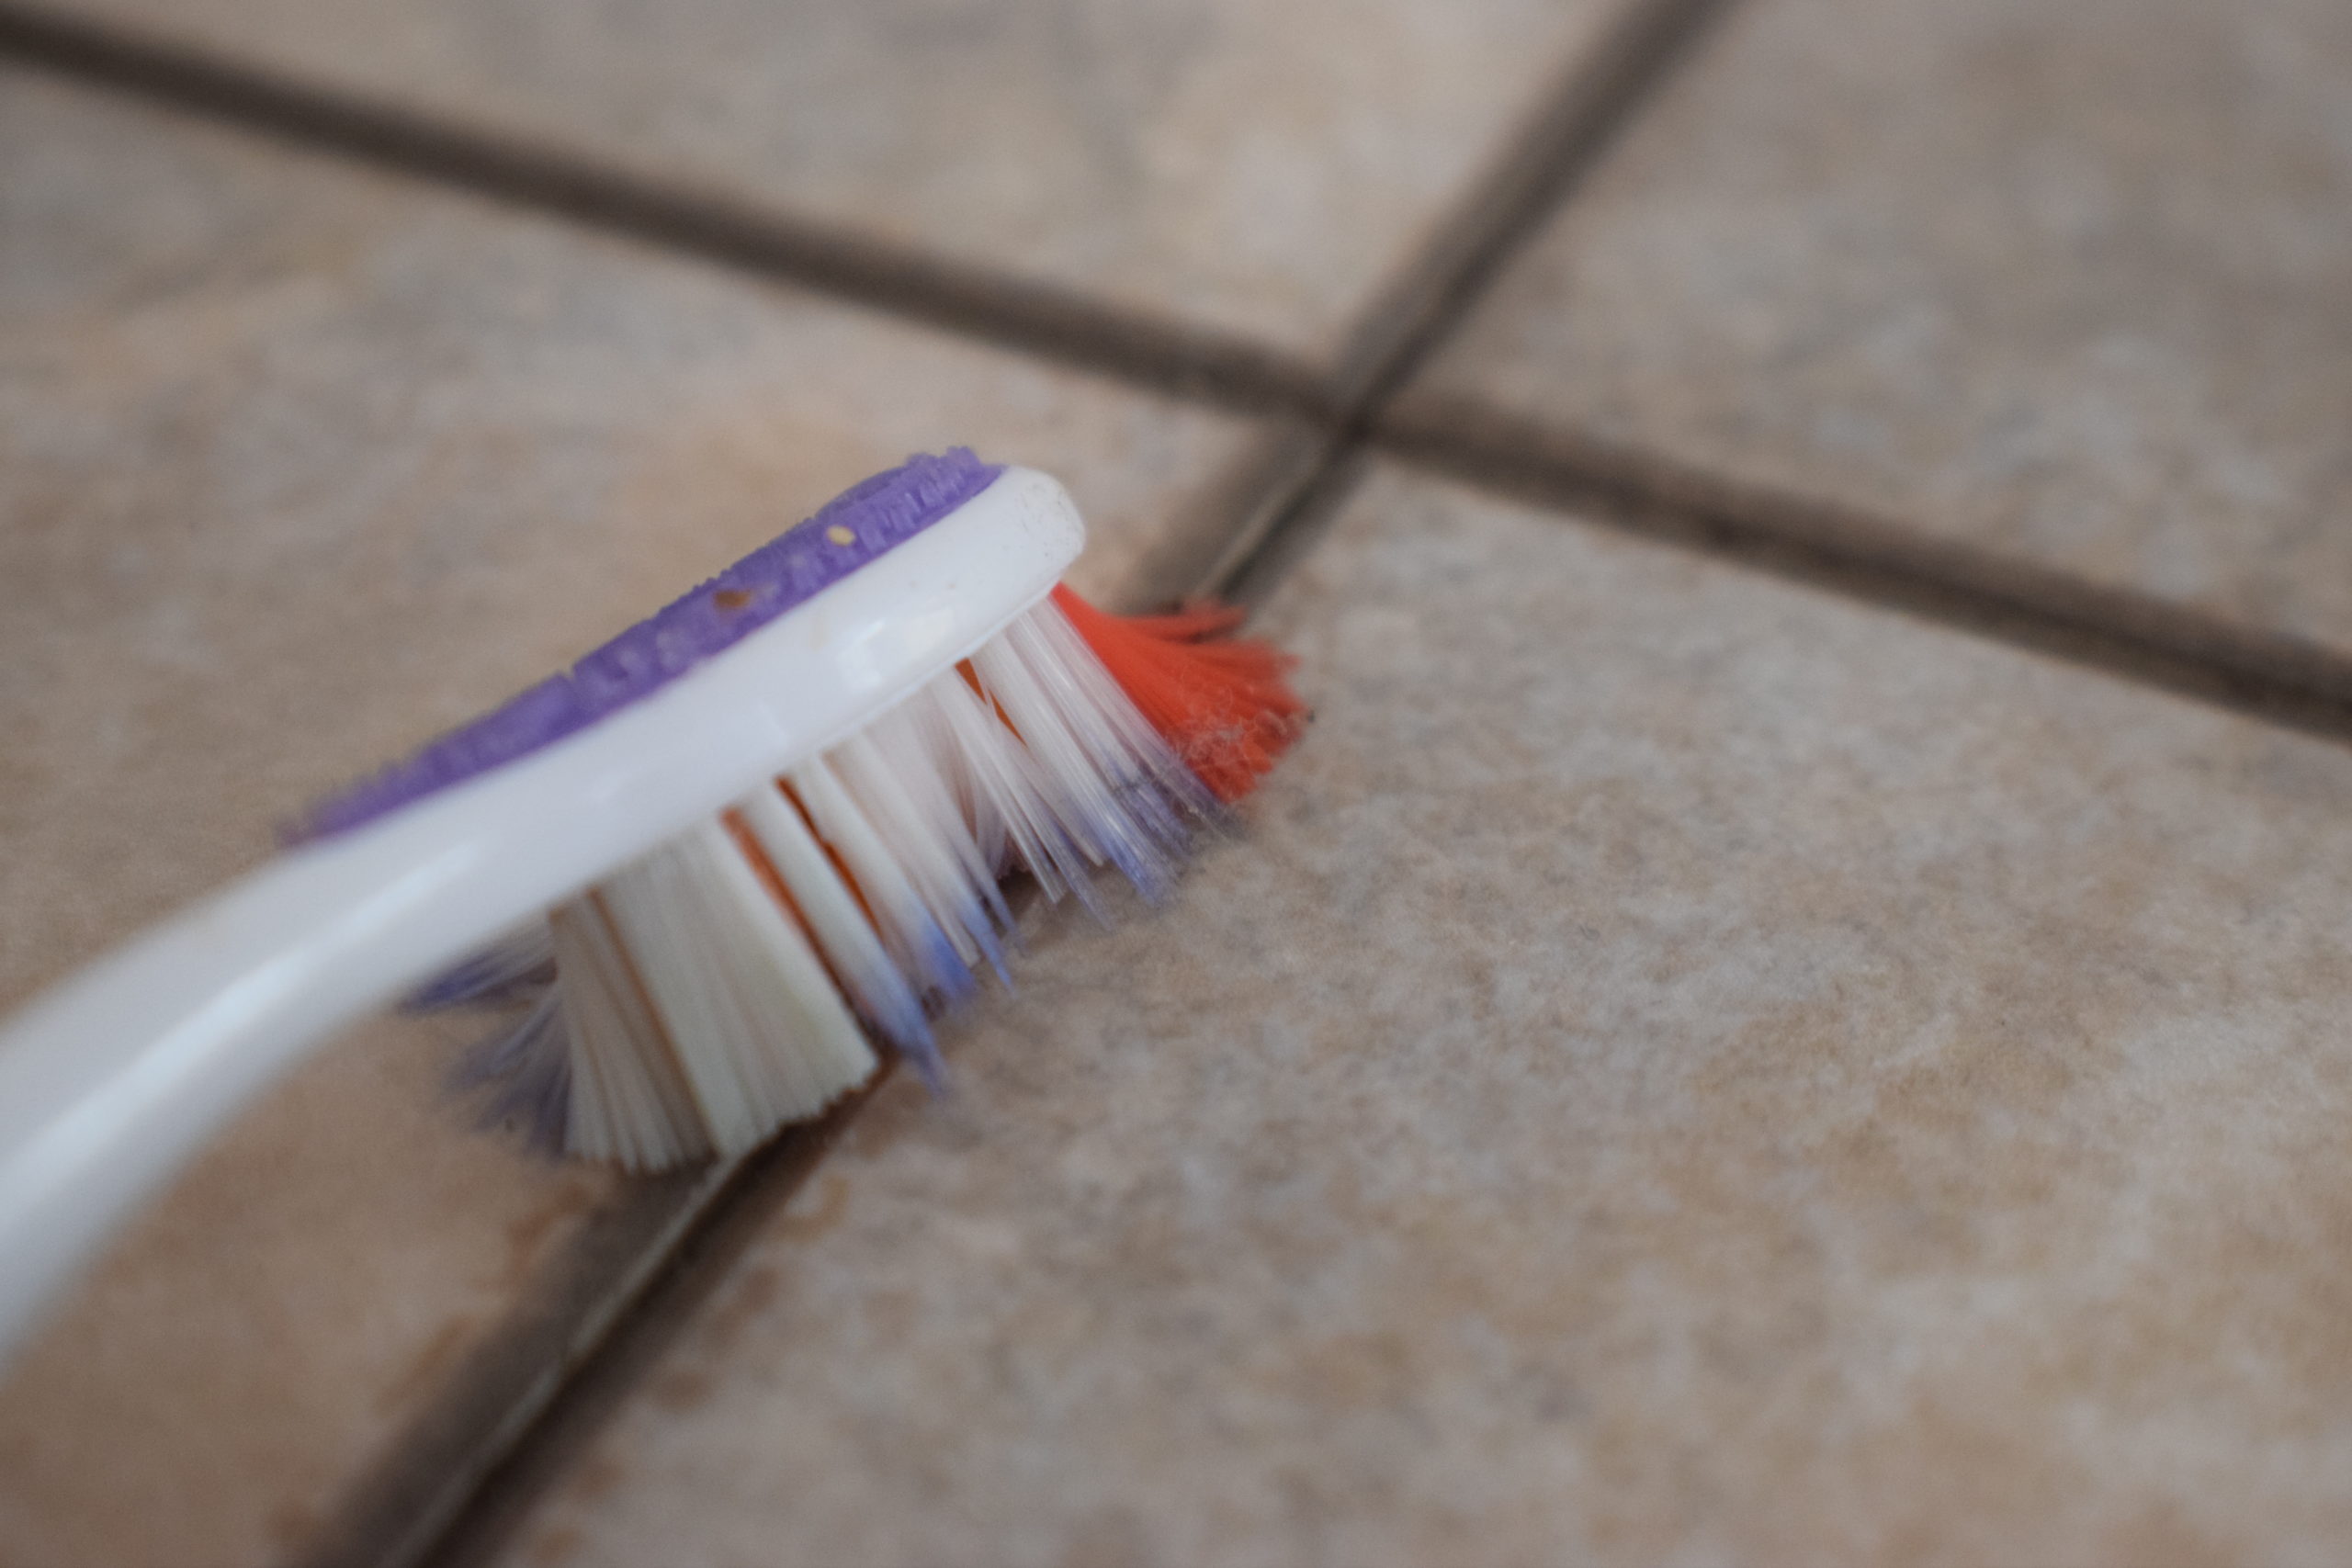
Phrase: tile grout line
(1196, 363)
(1541, 164)
(1578, 120)
(1873, 559)
(466, 1473)
(402, 1506)
(2272, 676)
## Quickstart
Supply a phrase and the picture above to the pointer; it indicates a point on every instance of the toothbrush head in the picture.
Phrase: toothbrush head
(842, 743)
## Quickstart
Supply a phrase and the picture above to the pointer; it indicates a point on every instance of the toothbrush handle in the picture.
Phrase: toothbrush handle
(112, 1080)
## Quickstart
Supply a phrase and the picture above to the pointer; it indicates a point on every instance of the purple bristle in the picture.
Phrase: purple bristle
(849, 531)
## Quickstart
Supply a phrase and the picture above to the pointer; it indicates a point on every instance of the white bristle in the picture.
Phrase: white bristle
(761, 1035)
(711, 992)
(876, 985)
(629, 1102)
(1009, 787)
(910, 931)
(1114, 785)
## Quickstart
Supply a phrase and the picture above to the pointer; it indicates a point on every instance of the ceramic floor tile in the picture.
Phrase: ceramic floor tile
(2067, 282)
(1678, 1068)
(297, 466)
(1255, 167)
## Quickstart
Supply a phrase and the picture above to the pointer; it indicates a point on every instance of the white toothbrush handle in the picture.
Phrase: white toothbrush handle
(110, 1081)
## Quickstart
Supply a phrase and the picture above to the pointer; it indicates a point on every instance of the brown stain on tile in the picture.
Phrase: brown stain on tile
(293, 1527)
(1942, 1475)
(2238, 1285)
(828, 1204)
(900, 1111)
(751, 1292)
(557, 1545)
(2164, 1534)
(891, 1314)
(594, 1476)
(679, 1388)
(1376, 1368)
(529, 1236)
(1109, 1538)
(430, 1366)
(747, 1296)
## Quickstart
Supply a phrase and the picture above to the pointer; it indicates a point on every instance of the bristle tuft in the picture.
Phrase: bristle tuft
(1224, 706)
(715, 989)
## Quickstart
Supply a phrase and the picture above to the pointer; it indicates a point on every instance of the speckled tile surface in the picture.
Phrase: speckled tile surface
(2070, 281)
(297, 467)
(1679, 1069)
(1255, 165)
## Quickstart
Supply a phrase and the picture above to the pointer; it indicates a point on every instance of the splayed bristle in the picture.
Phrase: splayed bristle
(723, 985)
(1225, 707)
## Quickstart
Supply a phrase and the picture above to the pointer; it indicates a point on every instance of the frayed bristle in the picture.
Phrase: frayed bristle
(725, 984)
(1225, 706)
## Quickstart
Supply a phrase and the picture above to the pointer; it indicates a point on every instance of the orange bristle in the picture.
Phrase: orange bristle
(1223, 706)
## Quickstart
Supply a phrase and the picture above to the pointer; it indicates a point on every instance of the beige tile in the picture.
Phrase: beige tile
(296, 468)
(2068, 282)
(1679, 1070)
(1252, 166)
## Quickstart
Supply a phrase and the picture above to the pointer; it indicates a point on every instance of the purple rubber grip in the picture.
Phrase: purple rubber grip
(851, 530)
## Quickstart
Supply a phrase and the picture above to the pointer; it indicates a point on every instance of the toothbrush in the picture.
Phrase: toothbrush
(717, 856)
